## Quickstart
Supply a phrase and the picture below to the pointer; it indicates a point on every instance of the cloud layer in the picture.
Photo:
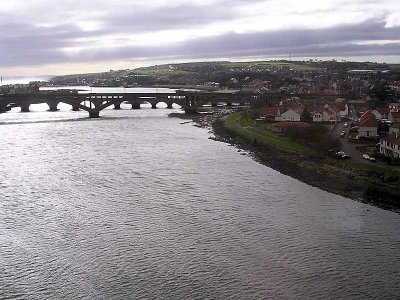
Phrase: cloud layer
(40, 34)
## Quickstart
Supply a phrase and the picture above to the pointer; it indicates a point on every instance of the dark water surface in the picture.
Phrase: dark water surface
(137, 206)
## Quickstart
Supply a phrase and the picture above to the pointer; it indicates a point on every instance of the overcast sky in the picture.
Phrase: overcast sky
(71, 36)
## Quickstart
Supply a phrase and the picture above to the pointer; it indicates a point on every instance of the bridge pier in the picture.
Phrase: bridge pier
(94, 114)
(135, 105)
(169, 105)
(4, 108)
(228, 103)
(75, 108)
(25, 107)
(154, 105)
(190, 110)
(117, 105)
(214, 104)
(52, 106)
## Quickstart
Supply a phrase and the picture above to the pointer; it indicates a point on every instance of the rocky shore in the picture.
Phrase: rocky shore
(292, 164)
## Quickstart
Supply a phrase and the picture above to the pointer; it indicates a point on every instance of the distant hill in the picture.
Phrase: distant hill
(223, 73)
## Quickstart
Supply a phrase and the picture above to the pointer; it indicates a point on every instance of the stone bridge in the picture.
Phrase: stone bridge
(93, 103)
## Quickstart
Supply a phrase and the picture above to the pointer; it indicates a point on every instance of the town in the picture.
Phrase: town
(360, 101)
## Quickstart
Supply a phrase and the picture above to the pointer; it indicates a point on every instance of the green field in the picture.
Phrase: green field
(244, 127)
(268, 64)
(163, 71)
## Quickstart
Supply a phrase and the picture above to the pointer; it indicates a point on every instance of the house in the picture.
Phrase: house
(344, 112)
(325, 115)
(282, 127)
(329, 115)
(368, 126)
(317, 117)
(394, 106)
(381, 113)
(337, 110)
(390, 145)
(340, 108)
(394, 116)
(289, 115)
(270, 112)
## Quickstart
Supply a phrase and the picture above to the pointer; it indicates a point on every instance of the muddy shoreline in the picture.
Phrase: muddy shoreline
(290, 164)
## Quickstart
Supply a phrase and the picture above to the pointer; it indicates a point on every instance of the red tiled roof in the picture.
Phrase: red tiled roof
(367, 114)
(392, 139)
(270, 111)
(330, 111)
(337, 108)
(368, 122)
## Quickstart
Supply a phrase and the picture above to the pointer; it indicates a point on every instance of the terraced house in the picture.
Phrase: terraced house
(390, 145)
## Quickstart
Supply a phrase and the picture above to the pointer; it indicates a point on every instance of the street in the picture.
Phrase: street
(350, 148)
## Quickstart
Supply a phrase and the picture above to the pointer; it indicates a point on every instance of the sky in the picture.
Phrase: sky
(43, 37)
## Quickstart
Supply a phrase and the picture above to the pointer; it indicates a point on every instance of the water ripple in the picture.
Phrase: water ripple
(135, 206)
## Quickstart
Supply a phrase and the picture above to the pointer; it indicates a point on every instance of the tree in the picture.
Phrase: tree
(381, 95)
(306, 115)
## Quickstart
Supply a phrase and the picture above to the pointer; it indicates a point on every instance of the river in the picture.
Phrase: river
(136, 205)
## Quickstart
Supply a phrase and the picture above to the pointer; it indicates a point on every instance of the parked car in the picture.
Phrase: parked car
(343, 134)
(342, 155)
(366, 156)
(346, 124)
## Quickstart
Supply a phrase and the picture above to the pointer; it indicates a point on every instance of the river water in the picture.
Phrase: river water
(135, 205)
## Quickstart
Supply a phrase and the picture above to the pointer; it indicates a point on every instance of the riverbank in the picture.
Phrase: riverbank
(351, 181)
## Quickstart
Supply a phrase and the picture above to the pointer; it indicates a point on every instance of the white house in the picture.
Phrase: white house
(327, 115)
(368, 126)
(289, 115)
(336, 109)
(345, 112)
(317, 117)
(394, 106)
(390, 145)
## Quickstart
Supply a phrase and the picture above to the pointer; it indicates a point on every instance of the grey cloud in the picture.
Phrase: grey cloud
(41, 46)
(162, 18)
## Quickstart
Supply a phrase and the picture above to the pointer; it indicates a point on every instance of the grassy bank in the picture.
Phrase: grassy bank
(376, 185)
(245, 128)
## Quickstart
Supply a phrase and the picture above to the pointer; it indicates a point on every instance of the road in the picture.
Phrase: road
(350, 148)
